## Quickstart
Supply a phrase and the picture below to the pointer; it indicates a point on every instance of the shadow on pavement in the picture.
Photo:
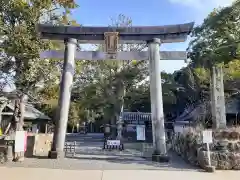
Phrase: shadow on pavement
(176, 163)
(100, 163)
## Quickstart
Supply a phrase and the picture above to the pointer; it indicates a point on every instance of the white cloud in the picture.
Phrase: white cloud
(193, 3)
(203, 3)
(202, 7)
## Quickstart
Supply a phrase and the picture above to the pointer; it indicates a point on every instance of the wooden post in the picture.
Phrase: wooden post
(46, 128)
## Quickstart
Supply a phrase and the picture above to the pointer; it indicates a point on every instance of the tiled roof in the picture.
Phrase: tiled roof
(30, 112)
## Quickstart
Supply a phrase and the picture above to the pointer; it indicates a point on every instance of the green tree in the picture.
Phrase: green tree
(232, 70)
(21, 43)
(214, 42)
(217, 39)
(104, 83)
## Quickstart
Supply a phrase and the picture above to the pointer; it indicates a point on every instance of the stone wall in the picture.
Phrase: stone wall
(225, 149)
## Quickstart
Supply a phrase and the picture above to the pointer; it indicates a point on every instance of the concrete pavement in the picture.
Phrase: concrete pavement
(21, 173)
(105, 166)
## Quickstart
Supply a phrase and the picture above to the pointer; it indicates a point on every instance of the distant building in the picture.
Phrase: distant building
(201, 112)
(32, 116)
(132, 119)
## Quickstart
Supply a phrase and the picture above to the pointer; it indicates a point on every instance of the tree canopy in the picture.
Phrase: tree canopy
(217, 39)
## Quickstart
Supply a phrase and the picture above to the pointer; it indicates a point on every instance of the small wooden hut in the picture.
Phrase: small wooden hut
(33, 118)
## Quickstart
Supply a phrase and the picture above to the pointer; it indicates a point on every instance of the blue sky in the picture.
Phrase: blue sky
(150, 12)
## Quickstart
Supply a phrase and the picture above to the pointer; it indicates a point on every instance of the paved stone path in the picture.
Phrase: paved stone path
(90, 156)
(92, 144)
(102, 166)
(102, 163)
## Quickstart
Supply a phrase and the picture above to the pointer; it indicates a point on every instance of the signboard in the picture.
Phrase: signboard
(207, 136)
(35, 128)
(178, 129)
(20, 141)
(113, 142)
(141, 133)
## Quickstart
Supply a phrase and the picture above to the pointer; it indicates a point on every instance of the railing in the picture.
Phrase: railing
(113, 144)
(135, 116)
(70, 148)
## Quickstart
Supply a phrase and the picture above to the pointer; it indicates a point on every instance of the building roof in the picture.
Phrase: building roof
(199, 111)
(233, 105)
(203, 109)
(233, 85)
(30, 112)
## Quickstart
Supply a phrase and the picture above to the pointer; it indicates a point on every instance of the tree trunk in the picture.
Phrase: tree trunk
(19, 112)
(22, 112)
(73, 129)
(119, 110)
(113, 126)
(3, 105)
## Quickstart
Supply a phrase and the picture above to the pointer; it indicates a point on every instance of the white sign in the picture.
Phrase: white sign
(207, 136)
(35, 128)
(140, 132)
(178, 129)
(20, 138)
(113, 142)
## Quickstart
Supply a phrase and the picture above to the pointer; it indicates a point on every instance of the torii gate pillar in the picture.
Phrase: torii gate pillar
(57, 150)
(157, 115)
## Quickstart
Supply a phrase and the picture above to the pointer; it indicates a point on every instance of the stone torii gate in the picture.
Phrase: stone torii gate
(112, 36)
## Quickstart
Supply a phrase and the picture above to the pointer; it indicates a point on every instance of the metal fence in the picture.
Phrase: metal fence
(135, 117)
